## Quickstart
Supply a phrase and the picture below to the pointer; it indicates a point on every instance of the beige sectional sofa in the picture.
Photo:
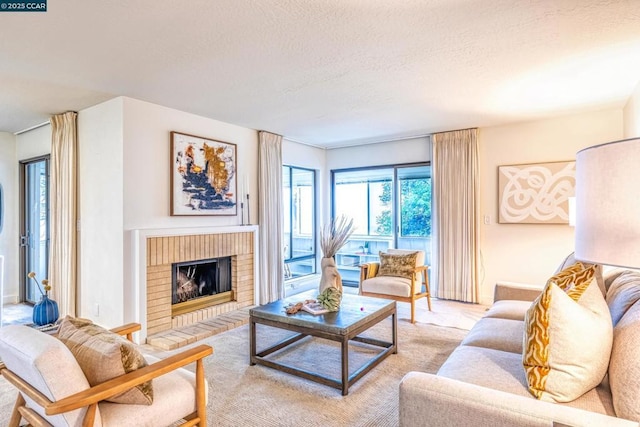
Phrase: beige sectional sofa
(483, 382)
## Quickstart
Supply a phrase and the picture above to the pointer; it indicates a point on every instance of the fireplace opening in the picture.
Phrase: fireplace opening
(199, 284)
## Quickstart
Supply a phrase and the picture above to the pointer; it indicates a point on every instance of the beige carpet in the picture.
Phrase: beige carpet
(243, 395)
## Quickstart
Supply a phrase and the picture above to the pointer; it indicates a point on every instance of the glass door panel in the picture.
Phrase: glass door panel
(35, 225)
(299, 221)
(414, 213)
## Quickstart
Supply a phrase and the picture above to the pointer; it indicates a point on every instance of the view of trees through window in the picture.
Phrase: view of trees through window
(391, 208)
(415, 202)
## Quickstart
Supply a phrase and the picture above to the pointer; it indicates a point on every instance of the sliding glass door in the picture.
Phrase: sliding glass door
(34, 234)
(391, 208)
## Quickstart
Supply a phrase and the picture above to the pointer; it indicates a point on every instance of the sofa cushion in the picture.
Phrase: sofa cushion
(397, 265)
(624, 370)
(498, 334)
(508, 309)
(501, 370)
(48, 365)
(623, 292)
(560, 364)
(104, 355)
(487, 367)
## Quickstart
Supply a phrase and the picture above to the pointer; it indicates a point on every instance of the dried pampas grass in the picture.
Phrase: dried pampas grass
(335, 234)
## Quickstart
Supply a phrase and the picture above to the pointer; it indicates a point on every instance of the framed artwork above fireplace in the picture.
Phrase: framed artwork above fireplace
(203, 176)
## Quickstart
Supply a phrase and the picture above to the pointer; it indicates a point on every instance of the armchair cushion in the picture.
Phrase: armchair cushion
(397, 265)
(104, 355)
(173, 397)
(387, 285)
(46, 364)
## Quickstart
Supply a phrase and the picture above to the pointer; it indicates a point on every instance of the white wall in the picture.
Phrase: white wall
(383, 153)
(9, 232)
(35, 143)
(632, 115)
(101, 208)
(147, 164)
(305, 156)
(529, 252)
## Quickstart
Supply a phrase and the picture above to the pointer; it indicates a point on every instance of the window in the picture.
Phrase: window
(391, 208)
(299, 221)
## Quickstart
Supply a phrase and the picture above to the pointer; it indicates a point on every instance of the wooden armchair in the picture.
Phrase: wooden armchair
(53, 391)
(397, 288)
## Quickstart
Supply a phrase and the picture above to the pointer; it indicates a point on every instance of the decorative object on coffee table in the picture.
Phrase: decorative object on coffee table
(333, 236)
(46, 310)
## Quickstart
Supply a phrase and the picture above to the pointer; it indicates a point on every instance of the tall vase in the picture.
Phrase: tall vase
(330, 289)
(330, 277)
(45, 311)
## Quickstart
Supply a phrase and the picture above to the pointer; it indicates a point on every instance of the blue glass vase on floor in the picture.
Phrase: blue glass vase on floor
(45, 311)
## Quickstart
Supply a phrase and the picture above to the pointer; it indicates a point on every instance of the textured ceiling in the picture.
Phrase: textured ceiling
(324, 72)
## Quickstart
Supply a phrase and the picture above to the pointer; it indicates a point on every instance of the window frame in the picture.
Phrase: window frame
(289, 242)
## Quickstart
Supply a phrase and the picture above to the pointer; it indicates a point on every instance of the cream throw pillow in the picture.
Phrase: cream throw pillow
(568, 336)
(397, 265)
(103, 355)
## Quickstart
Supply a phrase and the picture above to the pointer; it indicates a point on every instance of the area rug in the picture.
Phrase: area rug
(243, 395)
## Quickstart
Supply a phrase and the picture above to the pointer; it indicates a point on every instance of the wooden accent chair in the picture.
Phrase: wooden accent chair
(53, 391)
(397, 288)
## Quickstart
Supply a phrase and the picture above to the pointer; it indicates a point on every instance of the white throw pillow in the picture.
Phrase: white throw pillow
(568, 336)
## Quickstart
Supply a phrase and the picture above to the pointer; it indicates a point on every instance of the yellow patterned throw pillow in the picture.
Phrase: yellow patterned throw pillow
(568, 336)
(397, 265)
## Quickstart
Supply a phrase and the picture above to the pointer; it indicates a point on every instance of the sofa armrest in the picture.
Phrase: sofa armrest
(516, 291)
(431, 400)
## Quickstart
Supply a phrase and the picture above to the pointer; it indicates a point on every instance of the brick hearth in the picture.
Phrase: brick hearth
(163, 251)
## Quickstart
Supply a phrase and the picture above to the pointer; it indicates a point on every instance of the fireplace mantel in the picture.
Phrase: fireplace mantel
(140, 261)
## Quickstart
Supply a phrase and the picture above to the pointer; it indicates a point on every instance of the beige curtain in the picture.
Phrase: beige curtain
(456, 218)
(271, 281)
(63, 192)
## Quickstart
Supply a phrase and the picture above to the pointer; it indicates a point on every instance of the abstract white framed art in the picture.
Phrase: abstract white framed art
(535, 193)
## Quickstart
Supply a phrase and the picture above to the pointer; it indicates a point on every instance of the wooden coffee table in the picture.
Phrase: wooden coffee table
(356, 315)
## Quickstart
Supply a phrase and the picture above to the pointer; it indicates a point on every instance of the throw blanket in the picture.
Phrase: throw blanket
(371, 270)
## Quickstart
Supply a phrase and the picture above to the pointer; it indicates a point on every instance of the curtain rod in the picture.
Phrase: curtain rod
(32, 128)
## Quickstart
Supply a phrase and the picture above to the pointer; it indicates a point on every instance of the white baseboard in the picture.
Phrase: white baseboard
(9, 299)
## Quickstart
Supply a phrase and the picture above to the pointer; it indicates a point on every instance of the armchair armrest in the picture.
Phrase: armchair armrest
(516, 291)
(124, 382)
(427, 399)
(127, 330)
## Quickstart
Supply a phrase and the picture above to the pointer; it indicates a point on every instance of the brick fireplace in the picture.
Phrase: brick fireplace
(159, 250)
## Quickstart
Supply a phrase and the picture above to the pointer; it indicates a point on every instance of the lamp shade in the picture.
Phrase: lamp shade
(608, 204)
